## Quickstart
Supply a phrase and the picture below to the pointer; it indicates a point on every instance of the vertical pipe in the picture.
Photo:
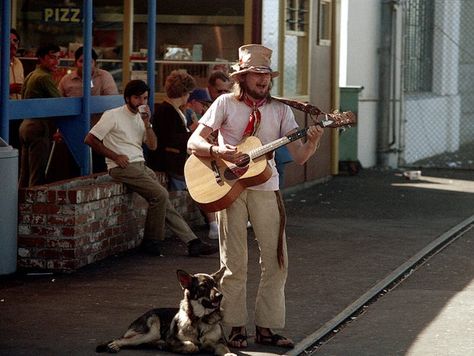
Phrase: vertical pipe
(335, 95)
(127, 40)
(383, 129)
(151, 51)
(5, 69)
(86, 84)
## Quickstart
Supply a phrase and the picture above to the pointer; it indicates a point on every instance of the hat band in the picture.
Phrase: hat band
(256, 68)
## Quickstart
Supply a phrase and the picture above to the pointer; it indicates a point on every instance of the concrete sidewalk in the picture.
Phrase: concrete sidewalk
(344, 236)
(429, 313)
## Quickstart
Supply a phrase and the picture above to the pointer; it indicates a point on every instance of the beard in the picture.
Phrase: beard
(260, 93)
(131, 107)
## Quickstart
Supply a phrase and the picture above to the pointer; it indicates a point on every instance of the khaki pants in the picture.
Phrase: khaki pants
(262, 209)
(142, 180)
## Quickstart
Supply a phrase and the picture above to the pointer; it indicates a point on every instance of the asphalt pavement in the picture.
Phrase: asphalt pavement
(345, 236)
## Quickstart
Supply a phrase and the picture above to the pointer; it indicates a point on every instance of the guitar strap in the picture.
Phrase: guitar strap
(281, 209)
(305, 107)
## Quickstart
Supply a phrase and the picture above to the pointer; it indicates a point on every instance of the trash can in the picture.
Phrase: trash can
(348, 161)
(8, 207)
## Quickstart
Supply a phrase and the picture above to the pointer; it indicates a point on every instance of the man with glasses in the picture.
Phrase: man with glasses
(218, 83)
(35, 134)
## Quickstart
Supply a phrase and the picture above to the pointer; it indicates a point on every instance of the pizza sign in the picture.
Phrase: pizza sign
(62, 14)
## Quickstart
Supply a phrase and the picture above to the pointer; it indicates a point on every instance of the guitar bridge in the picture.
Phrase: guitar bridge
(215, 170)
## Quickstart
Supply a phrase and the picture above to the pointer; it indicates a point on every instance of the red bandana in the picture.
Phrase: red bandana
(255, 116)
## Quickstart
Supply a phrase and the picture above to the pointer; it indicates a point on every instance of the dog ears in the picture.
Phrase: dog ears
(218, 275)
(184, 278)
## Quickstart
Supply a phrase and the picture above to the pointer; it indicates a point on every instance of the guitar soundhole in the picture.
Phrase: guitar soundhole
(243, 160)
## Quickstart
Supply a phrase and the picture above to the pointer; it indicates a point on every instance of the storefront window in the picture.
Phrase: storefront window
(204, 31)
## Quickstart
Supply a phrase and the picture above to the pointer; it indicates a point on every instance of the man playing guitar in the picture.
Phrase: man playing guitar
(250, 111)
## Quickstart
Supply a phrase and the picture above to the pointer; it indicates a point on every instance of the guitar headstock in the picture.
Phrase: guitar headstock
(338, 119)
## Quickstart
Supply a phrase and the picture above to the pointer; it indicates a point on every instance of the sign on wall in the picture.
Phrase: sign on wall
(62, 14)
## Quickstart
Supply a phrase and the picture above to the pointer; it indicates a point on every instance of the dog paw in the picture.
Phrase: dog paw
(230, 354)
(113, 347)
(189, 348)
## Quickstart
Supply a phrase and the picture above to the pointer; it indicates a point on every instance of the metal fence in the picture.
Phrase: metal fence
(437, 81)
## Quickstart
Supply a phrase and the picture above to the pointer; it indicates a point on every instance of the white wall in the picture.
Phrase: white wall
(360, 44)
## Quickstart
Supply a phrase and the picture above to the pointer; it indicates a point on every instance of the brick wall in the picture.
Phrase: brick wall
(69, 224)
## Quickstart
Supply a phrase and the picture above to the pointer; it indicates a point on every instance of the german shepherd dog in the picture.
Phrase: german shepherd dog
(192, 328)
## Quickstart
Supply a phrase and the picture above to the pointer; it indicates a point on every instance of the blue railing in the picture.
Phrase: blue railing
(72, 115)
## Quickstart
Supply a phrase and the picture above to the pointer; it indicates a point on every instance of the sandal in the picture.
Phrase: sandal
(237, 338)
(272, 339)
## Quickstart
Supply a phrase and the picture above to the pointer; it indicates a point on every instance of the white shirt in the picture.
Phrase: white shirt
(122, 132)
(16, 75)
(231, 116)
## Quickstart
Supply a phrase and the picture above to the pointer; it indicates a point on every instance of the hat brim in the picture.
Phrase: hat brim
(255, 70)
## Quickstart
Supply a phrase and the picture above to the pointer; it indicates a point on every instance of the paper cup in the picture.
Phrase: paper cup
(143, 110)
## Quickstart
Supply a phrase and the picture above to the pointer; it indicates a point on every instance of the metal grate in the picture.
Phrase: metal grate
(418, 72)
(437, 74)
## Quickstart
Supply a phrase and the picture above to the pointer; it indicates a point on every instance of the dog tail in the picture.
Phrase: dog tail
(103, 347)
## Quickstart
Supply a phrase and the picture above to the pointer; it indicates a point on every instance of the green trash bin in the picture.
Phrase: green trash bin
(8, 207)
(348, 160)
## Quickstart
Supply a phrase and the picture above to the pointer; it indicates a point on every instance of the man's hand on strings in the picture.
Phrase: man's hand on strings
(314, 134)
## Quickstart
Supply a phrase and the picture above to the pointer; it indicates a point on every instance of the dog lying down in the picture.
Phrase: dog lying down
(194, 327)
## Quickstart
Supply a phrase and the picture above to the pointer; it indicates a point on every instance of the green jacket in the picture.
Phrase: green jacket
(40, 84)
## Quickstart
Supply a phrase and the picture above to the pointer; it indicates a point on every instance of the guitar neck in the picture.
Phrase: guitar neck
(269, 147)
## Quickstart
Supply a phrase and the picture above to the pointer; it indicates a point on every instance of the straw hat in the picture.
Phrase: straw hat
(254, 58)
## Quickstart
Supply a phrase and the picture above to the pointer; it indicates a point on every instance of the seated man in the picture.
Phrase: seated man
(102, 83)
(118, 136)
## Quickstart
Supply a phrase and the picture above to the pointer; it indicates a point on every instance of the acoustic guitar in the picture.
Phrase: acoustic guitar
(215, 183)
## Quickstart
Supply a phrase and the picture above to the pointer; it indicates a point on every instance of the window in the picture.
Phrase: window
(297, 17)
(296, 53)
(324, 23)
(418, 46)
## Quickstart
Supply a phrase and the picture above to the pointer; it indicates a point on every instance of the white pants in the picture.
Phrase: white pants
(261, 208)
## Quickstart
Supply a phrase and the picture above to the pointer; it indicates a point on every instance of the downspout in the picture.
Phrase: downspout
(385, 84)
(335, 94)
